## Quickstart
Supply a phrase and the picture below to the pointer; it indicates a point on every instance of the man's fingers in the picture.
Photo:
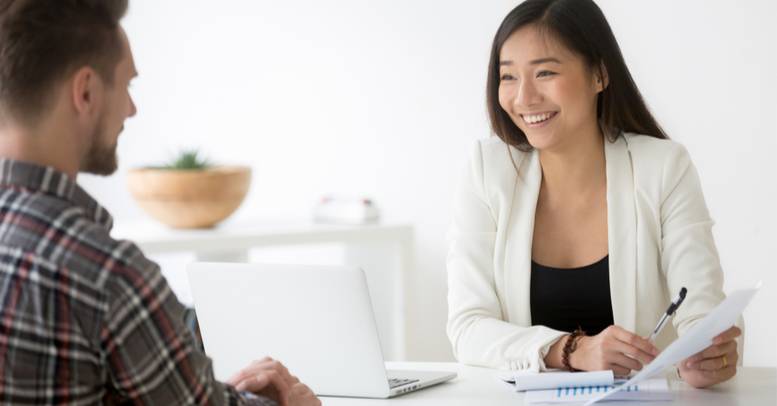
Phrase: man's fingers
(234, 379)
(246, 373)
(304, 395)
(265, 364)
(240, 376)
(252, 369)
(262, 381)
(301, 389)
(253, 384)
(277, 366)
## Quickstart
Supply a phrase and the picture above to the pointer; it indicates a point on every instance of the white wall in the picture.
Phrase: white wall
(384, 98)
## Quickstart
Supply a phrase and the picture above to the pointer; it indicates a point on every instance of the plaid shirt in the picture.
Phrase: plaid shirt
(86, 319)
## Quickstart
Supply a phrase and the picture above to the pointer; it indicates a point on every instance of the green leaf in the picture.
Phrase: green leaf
(188, 160)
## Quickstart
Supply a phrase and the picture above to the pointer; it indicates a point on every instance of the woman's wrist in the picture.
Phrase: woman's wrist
(554, 357)
(575, 357)
(570, 346)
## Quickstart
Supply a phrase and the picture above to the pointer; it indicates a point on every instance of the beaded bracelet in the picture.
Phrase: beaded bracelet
(570, 346)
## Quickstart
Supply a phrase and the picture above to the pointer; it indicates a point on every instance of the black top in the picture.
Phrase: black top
(564, 299)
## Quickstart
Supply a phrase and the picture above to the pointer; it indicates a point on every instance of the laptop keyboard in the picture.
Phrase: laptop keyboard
(396, 382)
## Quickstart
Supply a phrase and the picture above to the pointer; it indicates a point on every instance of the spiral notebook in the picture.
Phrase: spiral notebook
(523, 381)
(647, 390)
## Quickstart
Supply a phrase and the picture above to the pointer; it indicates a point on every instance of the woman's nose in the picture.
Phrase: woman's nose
(527, 95)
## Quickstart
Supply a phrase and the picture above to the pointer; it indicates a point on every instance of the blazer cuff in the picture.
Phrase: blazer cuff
(543, 352)
(533, 358)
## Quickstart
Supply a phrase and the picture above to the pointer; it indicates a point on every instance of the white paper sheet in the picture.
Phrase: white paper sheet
(696, 339)
(649, 390)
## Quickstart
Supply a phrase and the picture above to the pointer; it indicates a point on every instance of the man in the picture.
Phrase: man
(86, 319)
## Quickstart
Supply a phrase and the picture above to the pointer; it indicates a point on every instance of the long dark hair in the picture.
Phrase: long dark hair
(581, 26)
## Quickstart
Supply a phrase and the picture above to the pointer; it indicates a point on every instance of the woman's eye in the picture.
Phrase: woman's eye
(545, 73)
(506, 76)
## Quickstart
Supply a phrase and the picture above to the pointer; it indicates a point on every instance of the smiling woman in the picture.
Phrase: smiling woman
(552, 38)
(574, 227)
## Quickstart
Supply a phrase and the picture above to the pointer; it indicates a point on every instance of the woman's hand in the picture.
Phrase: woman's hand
(717, 363)
(614, 348)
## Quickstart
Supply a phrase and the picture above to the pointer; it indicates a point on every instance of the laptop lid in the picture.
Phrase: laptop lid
(317, 320)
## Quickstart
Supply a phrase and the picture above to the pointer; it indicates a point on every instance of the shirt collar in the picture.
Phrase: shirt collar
(47, 180)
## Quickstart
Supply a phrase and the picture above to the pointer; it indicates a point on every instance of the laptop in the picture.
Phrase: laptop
(316, 320)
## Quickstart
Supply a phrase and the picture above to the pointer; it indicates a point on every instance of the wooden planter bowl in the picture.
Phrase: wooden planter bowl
(190, 198)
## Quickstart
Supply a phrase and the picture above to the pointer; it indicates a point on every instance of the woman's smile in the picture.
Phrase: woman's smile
(537, 120)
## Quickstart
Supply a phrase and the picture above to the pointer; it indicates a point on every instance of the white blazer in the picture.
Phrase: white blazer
(660, 239)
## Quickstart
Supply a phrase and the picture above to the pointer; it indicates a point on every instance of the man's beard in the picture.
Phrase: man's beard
(101, 159)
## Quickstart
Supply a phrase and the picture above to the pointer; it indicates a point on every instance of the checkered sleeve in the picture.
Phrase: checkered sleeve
(152, 356)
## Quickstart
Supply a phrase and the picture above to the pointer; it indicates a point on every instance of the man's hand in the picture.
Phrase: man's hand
(301, 395)
(614, 348)
(268, 377)
(715, 364)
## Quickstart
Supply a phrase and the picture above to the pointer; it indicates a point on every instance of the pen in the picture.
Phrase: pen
(669, 312)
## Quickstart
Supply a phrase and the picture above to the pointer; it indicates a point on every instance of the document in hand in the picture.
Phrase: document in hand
(699, 337)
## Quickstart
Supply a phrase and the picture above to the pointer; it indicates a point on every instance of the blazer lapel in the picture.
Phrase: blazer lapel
(622, 232)
(621, 228)
(521, 234)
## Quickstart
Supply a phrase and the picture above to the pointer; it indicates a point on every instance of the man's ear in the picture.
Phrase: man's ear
(602, 78)
(86, 91)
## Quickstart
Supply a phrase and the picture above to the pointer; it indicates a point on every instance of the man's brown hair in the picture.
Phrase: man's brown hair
(43, 41)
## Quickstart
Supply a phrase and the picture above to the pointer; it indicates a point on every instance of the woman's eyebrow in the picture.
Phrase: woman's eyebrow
(534, 62)
(545, 60)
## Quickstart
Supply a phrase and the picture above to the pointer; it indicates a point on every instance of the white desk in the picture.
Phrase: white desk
(480, 386)
(383, 251)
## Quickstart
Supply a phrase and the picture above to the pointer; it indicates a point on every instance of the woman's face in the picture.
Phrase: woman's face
(547, 90)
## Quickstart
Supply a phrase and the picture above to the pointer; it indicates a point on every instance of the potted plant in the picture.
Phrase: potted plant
(189, 192)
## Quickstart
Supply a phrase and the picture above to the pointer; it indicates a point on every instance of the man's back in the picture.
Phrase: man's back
(86, 319)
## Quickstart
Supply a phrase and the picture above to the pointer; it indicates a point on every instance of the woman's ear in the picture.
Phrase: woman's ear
(602, 79)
